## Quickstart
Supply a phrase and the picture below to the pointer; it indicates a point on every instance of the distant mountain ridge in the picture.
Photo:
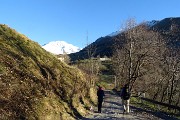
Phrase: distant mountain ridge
(60, 47)
(104, 45)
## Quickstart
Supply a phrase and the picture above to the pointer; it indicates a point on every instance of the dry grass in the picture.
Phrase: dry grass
(34, 84)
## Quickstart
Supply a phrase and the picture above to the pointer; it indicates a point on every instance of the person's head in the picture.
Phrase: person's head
(126, 85)
(100, 88)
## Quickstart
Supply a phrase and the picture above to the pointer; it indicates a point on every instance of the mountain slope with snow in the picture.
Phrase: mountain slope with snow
(114, 33)
(168, 28)
(151, 23)
(60, 47)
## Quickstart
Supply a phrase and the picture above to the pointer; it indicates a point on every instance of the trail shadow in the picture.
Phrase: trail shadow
(108, 114)
(155, 113)
(115, 103)
(109, 92)
(108, 118)
(122, 117)
(158, 114)
(93, 119)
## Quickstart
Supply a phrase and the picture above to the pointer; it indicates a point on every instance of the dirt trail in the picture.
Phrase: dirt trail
(112, 110)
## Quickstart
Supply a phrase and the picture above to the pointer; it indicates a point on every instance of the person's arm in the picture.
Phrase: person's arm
(121, 92)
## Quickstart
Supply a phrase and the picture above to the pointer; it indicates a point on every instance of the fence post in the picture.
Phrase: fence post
(115, 81)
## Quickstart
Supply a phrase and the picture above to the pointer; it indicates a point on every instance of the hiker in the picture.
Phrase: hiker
(125, 96)
(100, 94)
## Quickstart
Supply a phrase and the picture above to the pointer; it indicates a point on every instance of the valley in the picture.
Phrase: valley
(36, 84)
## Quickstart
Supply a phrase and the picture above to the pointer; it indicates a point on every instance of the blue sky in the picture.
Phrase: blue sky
(69, 20)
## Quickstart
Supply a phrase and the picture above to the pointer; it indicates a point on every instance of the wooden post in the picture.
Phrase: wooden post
(115, 82)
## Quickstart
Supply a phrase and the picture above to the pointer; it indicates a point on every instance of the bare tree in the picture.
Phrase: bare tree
(138, 54)
(144, 60)
(170, 70)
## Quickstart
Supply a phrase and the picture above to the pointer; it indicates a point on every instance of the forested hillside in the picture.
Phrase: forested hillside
(104, 46)
(34, 84)
(144, 56)
(149, 62)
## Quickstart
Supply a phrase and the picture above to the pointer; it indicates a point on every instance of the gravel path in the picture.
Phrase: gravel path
(112, 110)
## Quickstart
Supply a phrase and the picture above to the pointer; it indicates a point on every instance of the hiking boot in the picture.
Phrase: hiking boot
(124, 111)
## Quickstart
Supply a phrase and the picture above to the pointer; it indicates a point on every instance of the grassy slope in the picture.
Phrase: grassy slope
(34, 84)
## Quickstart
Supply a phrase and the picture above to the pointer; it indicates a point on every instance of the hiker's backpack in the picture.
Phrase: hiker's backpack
(126, 95)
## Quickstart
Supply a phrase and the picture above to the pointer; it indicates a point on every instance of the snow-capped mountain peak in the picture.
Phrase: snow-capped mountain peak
(60, 47)
(151, 23)
(114, 33)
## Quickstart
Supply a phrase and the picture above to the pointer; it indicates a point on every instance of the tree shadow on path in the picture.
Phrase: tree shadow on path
(113, 110)
(158, 114)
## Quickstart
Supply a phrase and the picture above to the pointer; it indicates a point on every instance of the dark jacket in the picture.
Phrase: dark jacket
(125, 93)
(100, 94)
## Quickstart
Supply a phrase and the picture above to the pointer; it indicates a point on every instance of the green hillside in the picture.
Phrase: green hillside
(34, 84)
